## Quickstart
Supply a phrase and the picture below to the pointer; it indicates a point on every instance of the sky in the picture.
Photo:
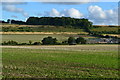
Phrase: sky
(100, 13)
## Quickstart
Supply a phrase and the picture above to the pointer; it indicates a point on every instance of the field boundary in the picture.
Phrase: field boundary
(68, 47)
(43, 33)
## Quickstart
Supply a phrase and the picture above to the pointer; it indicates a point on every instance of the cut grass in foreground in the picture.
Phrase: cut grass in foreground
(41, 63)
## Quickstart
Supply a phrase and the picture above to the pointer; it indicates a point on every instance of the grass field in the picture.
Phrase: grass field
(106, 30)
(77, 61)
(38, 37)
(32, 37)
(38, 28)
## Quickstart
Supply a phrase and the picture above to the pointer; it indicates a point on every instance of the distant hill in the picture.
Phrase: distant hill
(58, 24)
(59, 21)
(55, 21)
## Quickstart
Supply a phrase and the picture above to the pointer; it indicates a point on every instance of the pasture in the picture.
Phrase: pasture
(24, 38)
(76, 61)
(106, 30)
(39, 28)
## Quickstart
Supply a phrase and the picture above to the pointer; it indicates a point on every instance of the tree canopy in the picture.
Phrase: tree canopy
(59, 21)
(71, 40)
(80, 40)
(49, 41)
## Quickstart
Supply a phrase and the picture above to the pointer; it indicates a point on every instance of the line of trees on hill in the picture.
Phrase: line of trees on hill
(59, 21)
(1, 21)
(49, 41)
(16, 22)
(13, 22)
(56, 21)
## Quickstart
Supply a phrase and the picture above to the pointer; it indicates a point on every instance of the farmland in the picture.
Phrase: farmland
(49, 29)
(57, 61)
(38, 37)
(32, 37)
(77, 61)
(59, 40)
(106, 30)
(38, 28)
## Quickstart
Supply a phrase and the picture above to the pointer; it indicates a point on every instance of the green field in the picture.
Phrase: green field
(32, 37)
(38, 28)
(77, 61)
(38, 37)
(57, 61)
(106, 30)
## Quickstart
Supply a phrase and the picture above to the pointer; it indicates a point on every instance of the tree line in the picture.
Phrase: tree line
(55, 21)
(59, 21)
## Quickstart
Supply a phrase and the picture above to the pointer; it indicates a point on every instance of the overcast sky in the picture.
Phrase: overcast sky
(102, 13)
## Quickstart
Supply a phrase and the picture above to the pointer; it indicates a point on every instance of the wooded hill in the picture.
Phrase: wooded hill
(66, 22)
(55, 21)
(59, 21)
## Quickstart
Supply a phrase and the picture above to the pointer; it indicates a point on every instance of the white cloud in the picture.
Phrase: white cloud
(12, 1)
(74, 13)
(54, 13)
(59, 0)
(64, 0)
(25, 14)
(100, 16)
(13, 8)
(96, 12)
(76, 0)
